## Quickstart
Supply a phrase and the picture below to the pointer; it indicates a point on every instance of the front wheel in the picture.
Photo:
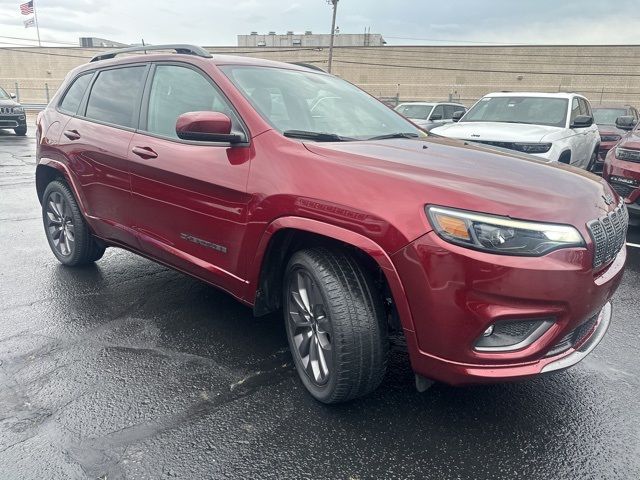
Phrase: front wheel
(335, 324)
(67, 232)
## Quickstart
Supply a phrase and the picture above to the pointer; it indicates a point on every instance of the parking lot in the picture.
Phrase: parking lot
(130, 369)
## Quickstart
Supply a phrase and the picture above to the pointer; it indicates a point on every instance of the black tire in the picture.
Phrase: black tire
(66, 229)
(565, 158)
(348, 313)
(20, 131)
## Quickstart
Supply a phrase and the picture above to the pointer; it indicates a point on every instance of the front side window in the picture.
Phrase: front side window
(4, 95)
(449, 110)
(114, 96)
(527, 110)
(575, 109)
(313, 102)
(420, 112)
(607, 116)
(438, 113)
(176, 90)
(75, 93)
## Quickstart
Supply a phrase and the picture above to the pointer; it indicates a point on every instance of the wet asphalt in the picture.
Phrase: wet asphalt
(128, 369)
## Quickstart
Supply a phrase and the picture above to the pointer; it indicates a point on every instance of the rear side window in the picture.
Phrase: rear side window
(114, 96)
(74, 95)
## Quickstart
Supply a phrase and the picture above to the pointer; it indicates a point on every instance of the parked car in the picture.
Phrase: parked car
(348, 218)
(12, 114)
(622, 164)
(428, 115)
(605, 118)
(555, 126)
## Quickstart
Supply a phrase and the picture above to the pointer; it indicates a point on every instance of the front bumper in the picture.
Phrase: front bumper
(455, 293)
(614, 167)
(13, 121)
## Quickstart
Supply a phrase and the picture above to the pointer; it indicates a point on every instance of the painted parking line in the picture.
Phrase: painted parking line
(633, 245)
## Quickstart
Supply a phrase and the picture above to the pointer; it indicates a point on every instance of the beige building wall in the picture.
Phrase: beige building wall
(607, 73)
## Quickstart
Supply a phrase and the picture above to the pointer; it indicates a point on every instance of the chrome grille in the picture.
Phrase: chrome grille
(622, 189)
(609, 234)
(6, 109)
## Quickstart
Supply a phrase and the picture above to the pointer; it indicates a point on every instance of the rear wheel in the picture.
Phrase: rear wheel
(21, 131)
(67, 232)
(335, 324)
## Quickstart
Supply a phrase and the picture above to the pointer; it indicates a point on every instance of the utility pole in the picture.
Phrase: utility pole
(35, 16)
(334, 3)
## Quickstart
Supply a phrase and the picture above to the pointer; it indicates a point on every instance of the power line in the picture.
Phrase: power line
(481, 70)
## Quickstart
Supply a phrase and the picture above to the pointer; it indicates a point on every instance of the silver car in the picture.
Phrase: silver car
(428, 115)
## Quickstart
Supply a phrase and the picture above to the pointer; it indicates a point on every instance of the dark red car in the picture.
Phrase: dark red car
(622, 165)
(605, 118)
(293, 190)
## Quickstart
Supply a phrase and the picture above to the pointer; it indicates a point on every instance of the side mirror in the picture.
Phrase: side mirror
(625, 122)
(435, 116)
(206, 127)
(12, 95)
(458, 115)
(582, 121)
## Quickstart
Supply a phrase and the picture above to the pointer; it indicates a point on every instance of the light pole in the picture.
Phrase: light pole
(334, 3)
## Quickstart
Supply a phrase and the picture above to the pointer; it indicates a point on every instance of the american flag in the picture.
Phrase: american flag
(26, 8)
(30, 22)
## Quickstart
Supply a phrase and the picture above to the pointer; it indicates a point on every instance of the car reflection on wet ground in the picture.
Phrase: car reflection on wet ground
(129, 369)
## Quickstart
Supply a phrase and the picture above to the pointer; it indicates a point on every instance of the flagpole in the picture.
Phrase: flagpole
(35, 16)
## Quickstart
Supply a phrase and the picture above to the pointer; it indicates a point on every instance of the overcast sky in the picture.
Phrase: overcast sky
(217, 22)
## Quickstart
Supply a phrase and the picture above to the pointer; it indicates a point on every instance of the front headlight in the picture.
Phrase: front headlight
(501, 235)
(532, 147)
(18, 110)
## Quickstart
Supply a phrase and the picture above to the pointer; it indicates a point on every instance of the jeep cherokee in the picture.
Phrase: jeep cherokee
(295, 191)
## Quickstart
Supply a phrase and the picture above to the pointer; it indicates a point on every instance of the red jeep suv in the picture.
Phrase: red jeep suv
(295, 191)
(622, 164)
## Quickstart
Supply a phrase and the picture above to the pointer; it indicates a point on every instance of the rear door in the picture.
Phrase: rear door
(96, 143)
(189, 197)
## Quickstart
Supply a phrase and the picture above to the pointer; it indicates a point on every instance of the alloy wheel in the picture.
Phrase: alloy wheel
(59, 222)
(309, 326)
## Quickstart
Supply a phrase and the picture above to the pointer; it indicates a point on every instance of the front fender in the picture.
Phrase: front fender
(368, 246)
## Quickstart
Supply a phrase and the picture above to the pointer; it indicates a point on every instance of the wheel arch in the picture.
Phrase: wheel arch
(565, 156)
(286, 235)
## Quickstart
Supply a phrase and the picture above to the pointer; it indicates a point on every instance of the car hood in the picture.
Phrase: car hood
(419, 121)
(610, 130)
(457, 174)
(630, 140)
(8, 103)
(495, 131)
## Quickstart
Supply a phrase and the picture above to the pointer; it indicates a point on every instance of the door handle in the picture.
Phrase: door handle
(72, 134)
(144, 152)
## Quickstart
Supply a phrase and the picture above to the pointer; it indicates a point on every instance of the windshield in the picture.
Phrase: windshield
(530, 110)
(415, 111)
(4, 95)
(300, 101)
(607, 116)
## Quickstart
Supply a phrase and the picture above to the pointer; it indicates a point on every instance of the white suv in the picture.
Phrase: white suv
(428, 115)
(555, 126)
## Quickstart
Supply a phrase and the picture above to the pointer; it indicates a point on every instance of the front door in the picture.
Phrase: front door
(189, 198)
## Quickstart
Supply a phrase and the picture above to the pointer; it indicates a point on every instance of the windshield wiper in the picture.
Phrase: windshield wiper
(395, 135)
(318, 136)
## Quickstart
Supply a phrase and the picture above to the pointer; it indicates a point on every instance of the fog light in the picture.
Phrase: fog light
(488, 331)
(511, 335)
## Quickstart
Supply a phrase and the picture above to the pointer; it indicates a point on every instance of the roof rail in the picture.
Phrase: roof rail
(308, 65)
(179, 48)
